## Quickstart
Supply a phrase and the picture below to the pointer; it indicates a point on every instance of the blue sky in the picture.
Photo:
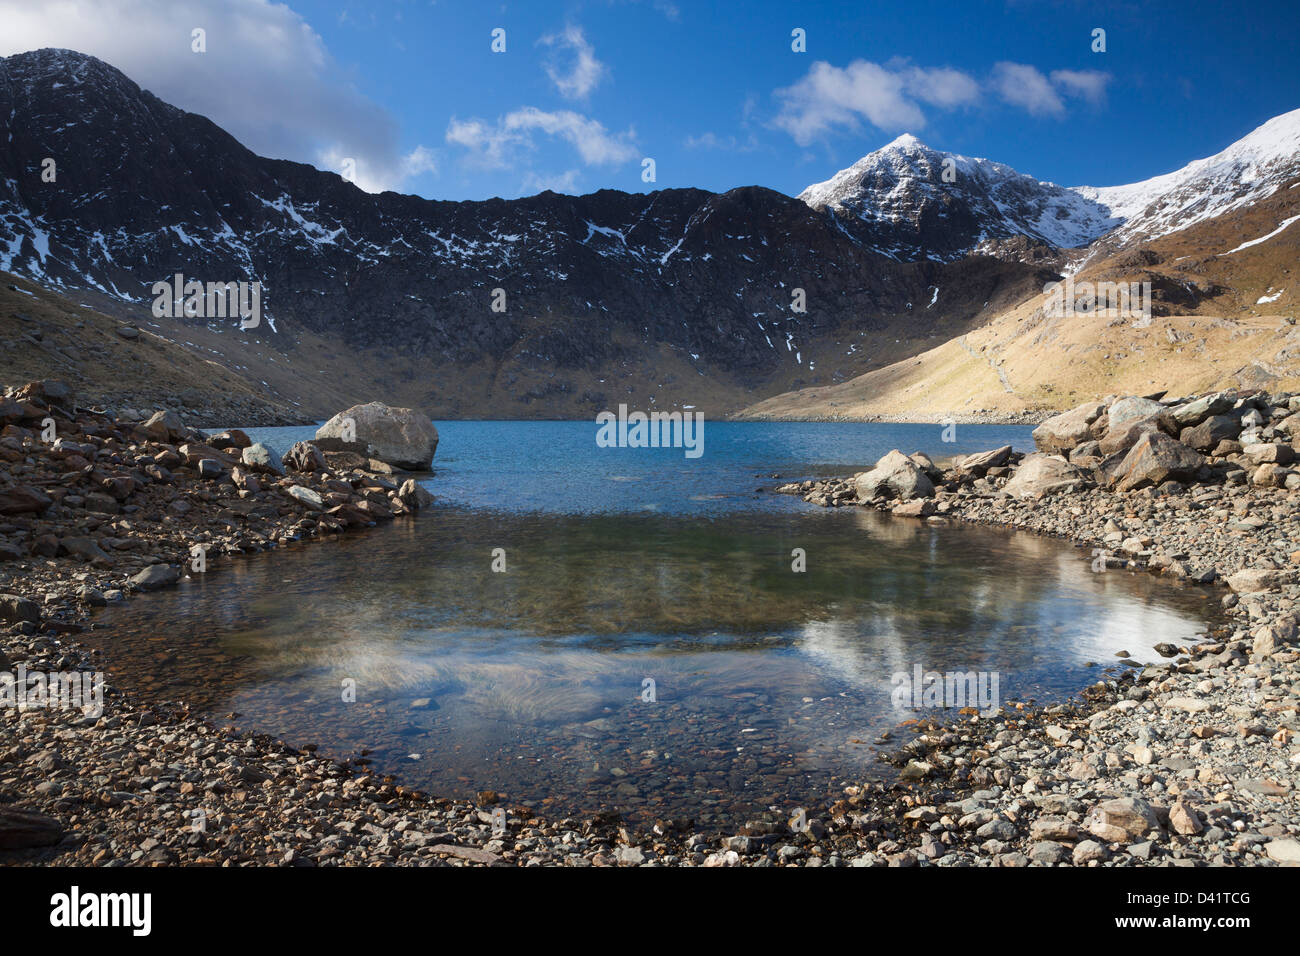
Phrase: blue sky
(711, 91)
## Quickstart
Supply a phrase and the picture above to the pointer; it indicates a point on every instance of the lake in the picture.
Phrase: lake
(584, 629)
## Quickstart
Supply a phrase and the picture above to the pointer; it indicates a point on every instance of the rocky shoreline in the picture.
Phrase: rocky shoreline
(1188, 762)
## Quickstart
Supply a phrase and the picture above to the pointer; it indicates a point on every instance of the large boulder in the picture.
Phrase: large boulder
(1155, 459)
(1132, 409)
(980, 462)
(1040, 475)
(164, 426)
(1062, 432)
(260, 458)
(23, 499)
(1125, 435)
(304, 456)
(895, 476)
(16, 608)
(399, 436)
(1206, 435)
(1193, 413)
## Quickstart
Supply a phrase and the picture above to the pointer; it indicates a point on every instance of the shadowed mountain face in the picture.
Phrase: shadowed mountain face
(610, 296)
(561, 306)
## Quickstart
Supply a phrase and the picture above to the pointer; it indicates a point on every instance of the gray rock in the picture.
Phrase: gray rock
(155, 576)
(1062, 432)
(894, 476)
(1131, 409)
(1155, 459)
(629, 855)
(1194, 412)
(1089, 851)
(307, 496)
(1040, 475)
(1122, 820)
(1210, 433)
(399, 436)
(1047, 852)
(14, 609)
(258, 457)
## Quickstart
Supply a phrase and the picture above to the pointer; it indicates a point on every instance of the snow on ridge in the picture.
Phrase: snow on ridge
(882, 186)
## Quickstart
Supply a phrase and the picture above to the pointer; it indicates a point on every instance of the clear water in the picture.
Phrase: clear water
(770, 685)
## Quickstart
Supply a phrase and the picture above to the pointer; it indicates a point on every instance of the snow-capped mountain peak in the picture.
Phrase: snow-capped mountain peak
(1252, 168)
(909, 201)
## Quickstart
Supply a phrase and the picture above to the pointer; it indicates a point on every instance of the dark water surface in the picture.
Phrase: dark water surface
(623, 565)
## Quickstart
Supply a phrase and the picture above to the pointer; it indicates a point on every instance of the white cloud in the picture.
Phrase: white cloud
(1090, 84)
(566, 182)
(267, 77)
(711, 140)
(585, 71)
(892, 96)
(376, 180)
(1022, 85)
(888, 97)
(497, 145)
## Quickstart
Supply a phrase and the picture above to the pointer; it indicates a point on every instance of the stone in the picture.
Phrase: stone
(1054, 829)
(1048, 852)
(82, 547)
(998, 829)
(304, 456)
(164, 426)
(1284, 851)
(1210, 432)
(917, 508)
(1120, 438)
(1188, 705)
(1271, 638)
(1184, 820)
(1155, 459)
(1089, 851)
(23, 500)
(210, 468)
(15, 608)
(1257, 579)
(1062, 432)
(982, 461)
(1122, 820)
(894, 476)
(402, 437)
(1194, 412)
(21, 828)
(155, 576)
(231, 438)
(308, 497)
(258, 457)
(629, 855)
(1040, 475)
(1269, 475)
(1131, 409)
(1269, 452)
(414, 495)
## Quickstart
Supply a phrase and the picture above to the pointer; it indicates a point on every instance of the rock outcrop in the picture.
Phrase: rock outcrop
(402, 437)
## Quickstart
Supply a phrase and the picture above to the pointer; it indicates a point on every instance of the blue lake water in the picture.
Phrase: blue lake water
(623, 566)
(556, 467)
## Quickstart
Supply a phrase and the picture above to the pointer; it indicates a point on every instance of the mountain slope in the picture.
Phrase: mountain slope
(1224, 305)
(897, 201)
(674, 297)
